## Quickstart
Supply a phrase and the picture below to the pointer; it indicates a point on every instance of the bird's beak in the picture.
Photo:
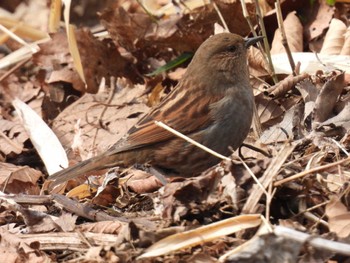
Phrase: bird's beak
(252, 40)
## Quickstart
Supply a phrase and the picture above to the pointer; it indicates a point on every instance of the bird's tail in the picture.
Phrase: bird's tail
(99, 162)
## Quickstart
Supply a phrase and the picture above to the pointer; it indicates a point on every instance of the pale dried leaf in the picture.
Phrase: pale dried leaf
(338, 217)
(334, 39)
(159, 8)
(106, 227)
(346, 47)
(23, 30)
(66, 222)
(281, 131)
(201, 235)
(55, 15)
(44, 140)
(310, 64)
(294, 34)
(308, 90)
(20, 54)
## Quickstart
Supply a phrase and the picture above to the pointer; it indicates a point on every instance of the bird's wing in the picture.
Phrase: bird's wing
(177, 111)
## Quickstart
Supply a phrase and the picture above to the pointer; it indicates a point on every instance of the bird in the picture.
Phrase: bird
(212, 104)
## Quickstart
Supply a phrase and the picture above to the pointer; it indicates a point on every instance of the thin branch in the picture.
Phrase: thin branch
(313, 170)
(204, 148)
(284, 37)
(266, 42)
(220, 16)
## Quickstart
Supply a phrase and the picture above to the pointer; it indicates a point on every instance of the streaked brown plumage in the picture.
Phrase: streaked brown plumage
(212, 104)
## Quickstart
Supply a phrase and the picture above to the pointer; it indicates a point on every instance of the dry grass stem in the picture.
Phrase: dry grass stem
(268, 176)
(313, 170)
(247, 17)
(109, 100)
(254, 177)
(266, 42)
(182, 136)
(283, 34)
(220, 16)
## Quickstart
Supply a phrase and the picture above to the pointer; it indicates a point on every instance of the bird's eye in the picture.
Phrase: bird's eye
(232, 48)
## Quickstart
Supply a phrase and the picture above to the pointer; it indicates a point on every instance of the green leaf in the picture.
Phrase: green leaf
(171, 64)
(331, 2)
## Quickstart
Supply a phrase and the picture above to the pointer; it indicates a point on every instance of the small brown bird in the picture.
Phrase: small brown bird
(212, 104)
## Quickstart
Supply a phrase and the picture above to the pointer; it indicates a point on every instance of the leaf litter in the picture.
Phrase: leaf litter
(125, 215)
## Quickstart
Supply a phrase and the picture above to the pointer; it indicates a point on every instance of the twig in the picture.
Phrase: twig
(256, 149)
(204, 148)
(220, 16)
(256, 122)
(109, 100)
(247, 17)
(266, 42)
(254, 177)
(16, 38)
(283, 34)
(313, 170)
(311, 208)
(340, 147)
(268, 176)
(151, 16)
(18, 65)
(317, 242)
(271, 194)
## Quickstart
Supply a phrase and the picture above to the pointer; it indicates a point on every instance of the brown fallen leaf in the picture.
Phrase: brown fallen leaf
(19, 179)
(81, 120)
(320, 19)
(105, 227)
(294, 33)
(178, 197)
(338, 217)
(328, 96)
(282, 87)
(12, 137)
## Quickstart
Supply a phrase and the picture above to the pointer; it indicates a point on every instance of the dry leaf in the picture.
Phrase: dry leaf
(44, 140)
(125, 109)
(334, 40)
(105, 227)
(202, 234)
(19, 179)
(13, 135)
(294, 34)
(338, 218)
(311, 63)
(346, 47)
(328, 97)
(257, 65)
(320, 20)
(285, 85)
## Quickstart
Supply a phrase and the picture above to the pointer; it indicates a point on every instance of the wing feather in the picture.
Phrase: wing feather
(176, 111)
